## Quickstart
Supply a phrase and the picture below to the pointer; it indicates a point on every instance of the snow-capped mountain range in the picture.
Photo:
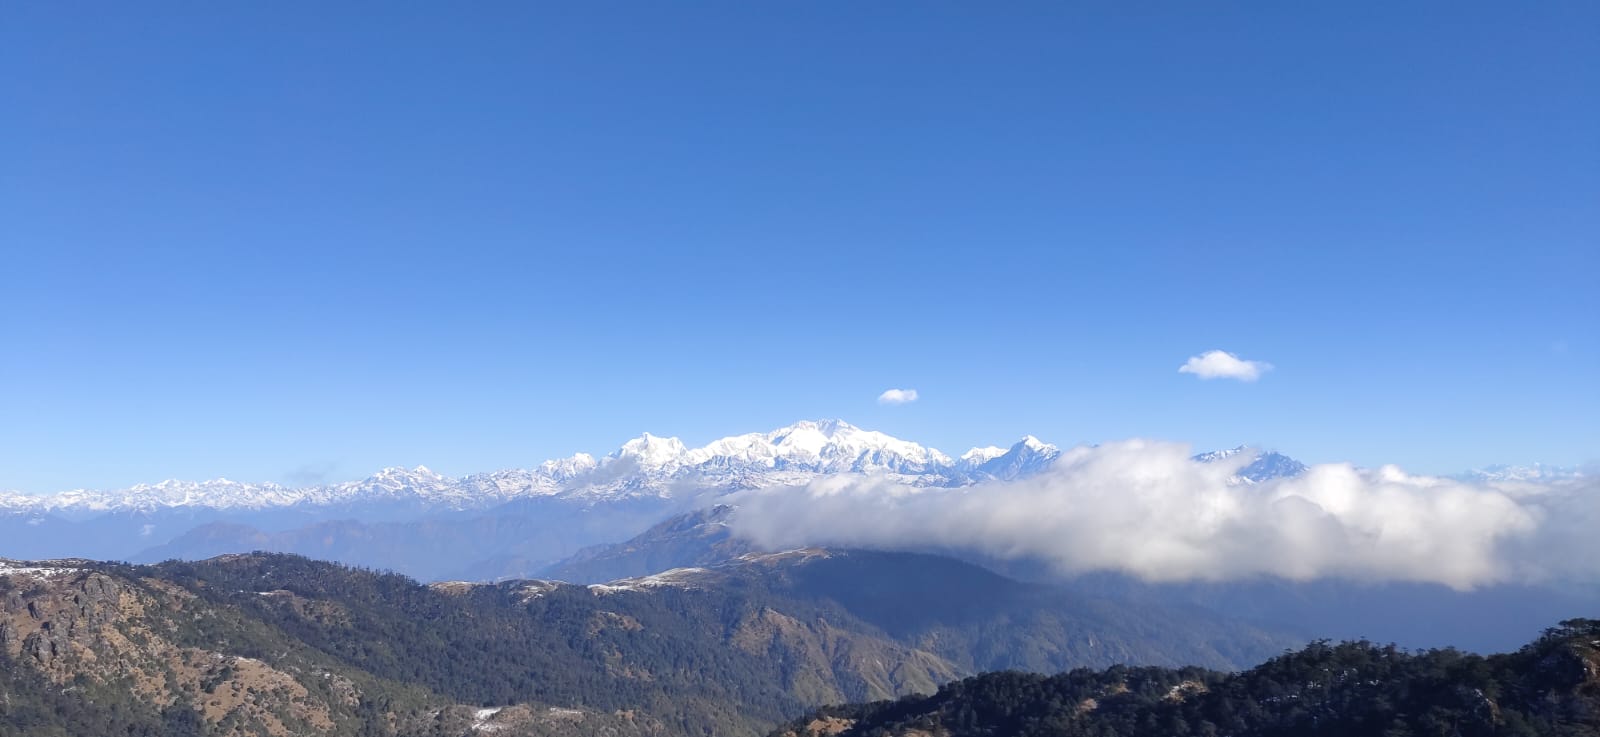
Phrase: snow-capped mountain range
(1532, 473)
(644, 467)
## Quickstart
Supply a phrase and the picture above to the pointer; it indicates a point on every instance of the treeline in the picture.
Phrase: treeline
(1549, 687)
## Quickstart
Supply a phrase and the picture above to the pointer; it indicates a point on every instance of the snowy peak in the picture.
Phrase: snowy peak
(819, 446)
(1272, 465)
(652, 453)
(1035, 445)
(979, 456)
(1026, 457)
(1264, 466)
(839, 446)
(825, 428)
(1212, 456)
(402, 475)
(563, 469)
(395, 481)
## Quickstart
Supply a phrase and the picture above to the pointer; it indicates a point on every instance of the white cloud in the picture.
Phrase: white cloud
(1144, 508)
(1224, 365)
(898, 396)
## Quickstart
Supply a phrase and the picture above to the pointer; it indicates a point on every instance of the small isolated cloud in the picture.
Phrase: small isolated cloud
(310, 474)
(898, 396)
(1224, 365)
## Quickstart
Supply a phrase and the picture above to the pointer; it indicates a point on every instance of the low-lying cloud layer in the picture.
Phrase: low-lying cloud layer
(1145, 508)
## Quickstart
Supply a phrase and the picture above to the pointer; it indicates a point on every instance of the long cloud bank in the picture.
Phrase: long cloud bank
(1145, 508)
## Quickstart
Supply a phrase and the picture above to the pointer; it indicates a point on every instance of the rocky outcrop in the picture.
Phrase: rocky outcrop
(1568, 677)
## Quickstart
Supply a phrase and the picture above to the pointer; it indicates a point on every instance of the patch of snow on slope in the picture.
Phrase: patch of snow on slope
(10, 567)
(481, 717)
(680, 577)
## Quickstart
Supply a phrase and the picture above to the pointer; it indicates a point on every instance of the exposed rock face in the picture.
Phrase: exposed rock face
(53, 612)
(1570, 677)
(824, 726)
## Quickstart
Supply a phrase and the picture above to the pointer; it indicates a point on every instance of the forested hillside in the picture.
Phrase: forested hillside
(1549, 687)
(268, 644)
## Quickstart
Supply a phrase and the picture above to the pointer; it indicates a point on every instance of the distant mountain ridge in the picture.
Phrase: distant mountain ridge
(645, 467)
(499, 523)
(1533, 472)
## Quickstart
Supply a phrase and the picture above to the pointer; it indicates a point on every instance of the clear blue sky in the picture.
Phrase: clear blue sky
(276, 240)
